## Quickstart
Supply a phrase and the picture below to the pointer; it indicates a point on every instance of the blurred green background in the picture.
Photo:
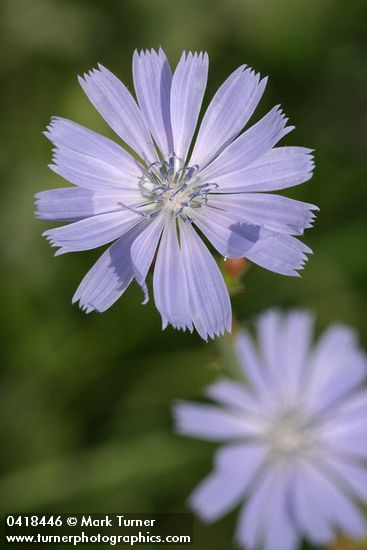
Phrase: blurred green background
(85, 400)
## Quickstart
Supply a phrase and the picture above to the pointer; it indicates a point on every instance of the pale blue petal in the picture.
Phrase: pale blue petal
(89, 172)
(70, 204)
(233, 394)
(350, 474)
(143, 250)
(277, 169)
(169, 284)
(348, 375)
(228, 112)
(282, 254)
(309, 509)
(353, 443)
(152, 81)
(333, 505)
(251, 522)
(207, 293)
(284, 341)
(280, 531)
(296, 343)
(249, 146)
(274, 170)
(354, 406)
(91, 232)
(274, 212)
(217, 494)
(249, 455)
(90, 160)
(187, 91)
(116, 105)
(345, 425)
(348, 438)
(269, 327)
(229, 236)
(213, 423)
(337, 367)
(266, 519)
(335, 424)
(109, 277)
(252, 368)
(234, 239)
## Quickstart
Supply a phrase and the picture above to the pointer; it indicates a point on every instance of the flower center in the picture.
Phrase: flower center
(175, 188)
(291, 435)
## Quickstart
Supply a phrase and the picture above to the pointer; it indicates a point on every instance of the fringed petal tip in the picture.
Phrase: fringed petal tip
(37, 204)
(204, 335)
(50, 127)
(190, 327)
(88, 77)
(149, 52)
(88, 74)
(309, 161)
(94, 72)
(48, 235)
(54, 121)
(308, 221)
(182, 328)
(62, 250)
(85, 307)
(144, 288)
(217, 333)
(201, 56)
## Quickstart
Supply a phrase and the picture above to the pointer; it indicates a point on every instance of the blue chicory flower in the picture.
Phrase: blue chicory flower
(154, 202)
(295, 434)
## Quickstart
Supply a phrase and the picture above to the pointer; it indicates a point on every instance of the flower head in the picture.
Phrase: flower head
(296, 445)
(159, 198)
